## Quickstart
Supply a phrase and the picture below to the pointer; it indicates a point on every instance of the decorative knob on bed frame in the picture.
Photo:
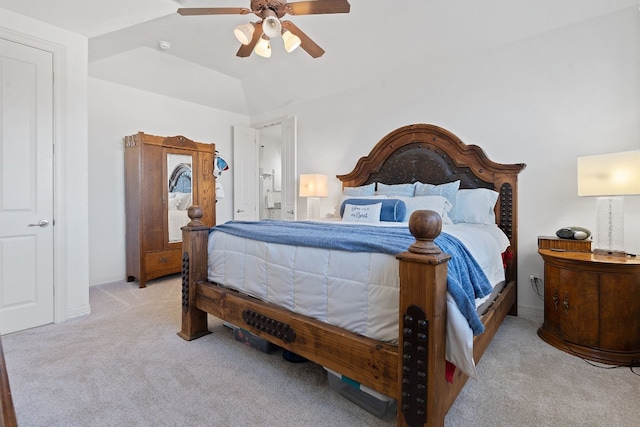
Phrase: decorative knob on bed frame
(425, 225)
(195, 212)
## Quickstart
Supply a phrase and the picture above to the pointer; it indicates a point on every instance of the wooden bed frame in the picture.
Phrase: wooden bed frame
(414, 371)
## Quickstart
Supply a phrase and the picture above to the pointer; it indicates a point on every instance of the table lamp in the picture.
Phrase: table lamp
(609, 177)
(313, 186)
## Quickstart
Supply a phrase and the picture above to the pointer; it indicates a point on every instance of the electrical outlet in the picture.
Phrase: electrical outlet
(536, 285)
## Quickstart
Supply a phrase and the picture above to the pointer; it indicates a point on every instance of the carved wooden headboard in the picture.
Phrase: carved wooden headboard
(430, 154)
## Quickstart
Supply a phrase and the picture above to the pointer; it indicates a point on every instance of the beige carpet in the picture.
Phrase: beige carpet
(124, 365)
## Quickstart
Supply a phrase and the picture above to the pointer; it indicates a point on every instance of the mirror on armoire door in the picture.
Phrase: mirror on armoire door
(179, 193)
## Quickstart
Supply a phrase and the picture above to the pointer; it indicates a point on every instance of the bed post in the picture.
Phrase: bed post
(422, 326)
(194, 270)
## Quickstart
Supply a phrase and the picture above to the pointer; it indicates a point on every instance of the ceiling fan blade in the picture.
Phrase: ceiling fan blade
(188, 11)
(318, 6)
(306, 43)
(245, 50)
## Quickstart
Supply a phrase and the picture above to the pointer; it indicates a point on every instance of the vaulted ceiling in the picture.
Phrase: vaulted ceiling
(374, 42)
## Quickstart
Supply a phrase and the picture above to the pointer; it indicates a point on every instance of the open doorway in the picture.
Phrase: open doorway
(270, 171)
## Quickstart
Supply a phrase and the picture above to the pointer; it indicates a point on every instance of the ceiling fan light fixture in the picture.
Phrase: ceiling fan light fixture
(263, 47)
(271, 25)
(291, 41)
(244, 32)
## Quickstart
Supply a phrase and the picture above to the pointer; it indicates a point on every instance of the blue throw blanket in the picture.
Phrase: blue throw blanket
(465, 279)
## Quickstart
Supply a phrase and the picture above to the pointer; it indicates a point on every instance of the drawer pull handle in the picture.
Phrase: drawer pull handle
(556, 300)
(565, 302)
(162, 260)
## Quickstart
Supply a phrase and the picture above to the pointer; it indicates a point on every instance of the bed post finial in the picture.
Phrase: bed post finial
(425, 225)
(196, 213)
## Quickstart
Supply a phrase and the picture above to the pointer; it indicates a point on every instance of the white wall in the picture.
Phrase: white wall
(70, 157)
(114, 112)
(542, 101)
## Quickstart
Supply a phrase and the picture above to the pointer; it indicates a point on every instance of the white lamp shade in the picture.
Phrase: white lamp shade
(271, 26)
(291, 41)
(612, 174)
(263, 47)
(313, 185)
(244, 33)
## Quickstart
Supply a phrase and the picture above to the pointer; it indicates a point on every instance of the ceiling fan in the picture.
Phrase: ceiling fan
(256, 36)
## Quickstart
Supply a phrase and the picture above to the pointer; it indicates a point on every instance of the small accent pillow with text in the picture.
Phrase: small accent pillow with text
(391, 210)
(338, 210)
(362, 213)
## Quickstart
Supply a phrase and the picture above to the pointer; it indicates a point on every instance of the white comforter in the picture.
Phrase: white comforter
(353, 290)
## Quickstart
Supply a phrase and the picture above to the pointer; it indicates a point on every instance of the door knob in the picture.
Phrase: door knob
(42, 223)
(239, 210)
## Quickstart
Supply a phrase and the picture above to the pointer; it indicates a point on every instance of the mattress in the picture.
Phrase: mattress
(357, 291)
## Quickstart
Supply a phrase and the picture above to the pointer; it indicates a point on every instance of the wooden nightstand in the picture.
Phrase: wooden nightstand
(591, 304)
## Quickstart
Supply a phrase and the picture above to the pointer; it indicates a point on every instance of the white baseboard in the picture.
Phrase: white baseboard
(535, 314)
(79, 311)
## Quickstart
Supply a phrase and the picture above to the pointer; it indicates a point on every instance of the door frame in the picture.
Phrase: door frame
(60, 256)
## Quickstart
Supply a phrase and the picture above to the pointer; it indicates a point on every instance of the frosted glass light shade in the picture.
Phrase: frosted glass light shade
(244, 33)
(263, 47)
(291, 41)
(613, 174)
(271, 26)
(313, 185)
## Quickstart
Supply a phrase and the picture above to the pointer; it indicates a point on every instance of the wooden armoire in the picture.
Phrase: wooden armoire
(159, 172)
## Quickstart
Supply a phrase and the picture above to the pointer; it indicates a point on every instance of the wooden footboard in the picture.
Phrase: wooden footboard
(413, 372)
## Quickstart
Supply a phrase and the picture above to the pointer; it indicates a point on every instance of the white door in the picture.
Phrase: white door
(289, 169)
(245, 174)
(26, 187)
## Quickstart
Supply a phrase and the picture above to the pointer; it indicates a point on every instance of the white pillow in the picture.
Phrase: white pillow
(173, 203)
(476, 206)
(364, 190)
(184, 201)
(362, 213)
(336, 212)
(439, 204)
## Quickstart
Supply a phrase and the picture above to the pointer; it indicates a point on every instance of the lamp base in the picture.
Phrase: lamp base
(609, 236)
(313, 207)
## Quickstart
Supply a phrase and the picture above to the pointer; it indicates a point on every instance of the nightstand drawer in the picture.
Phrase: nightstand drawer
(548, 242)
